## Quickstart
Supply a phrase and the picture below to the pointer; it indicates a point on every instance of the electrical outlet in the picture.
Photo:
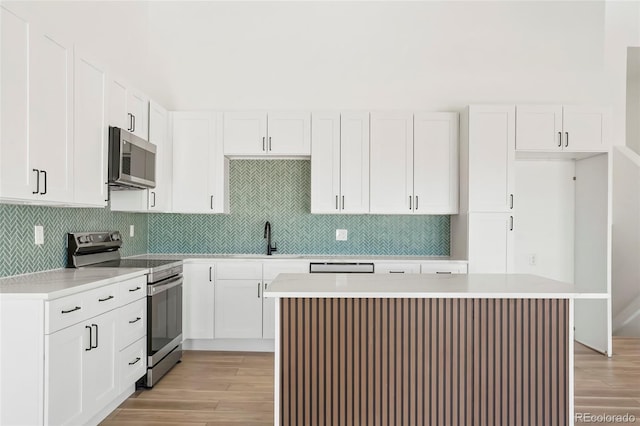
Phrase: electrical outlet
(341, 235)
(132, 231)
(532, 259)
(39, 235)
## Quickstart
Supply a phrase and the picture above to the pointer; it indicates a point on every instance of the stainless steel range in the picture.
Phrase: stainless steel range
(164, 294)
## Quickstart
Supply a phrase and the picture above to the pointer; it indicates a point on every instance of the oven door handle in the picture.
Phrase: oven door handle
(152, 290)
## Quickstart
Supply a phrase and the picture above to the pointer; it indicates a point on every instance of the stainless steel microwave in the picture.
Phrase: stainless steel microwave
(132, 161)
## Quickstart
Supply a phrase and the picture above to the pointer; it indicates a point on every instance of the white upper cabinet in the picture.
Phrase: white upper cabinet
(200, 171)
(414, 163)
(17, 181)
(435, 162)
(340, 163)
(50, 142)
(128, 109)
(553, 128)
(391, 171)
(491, 157)
(259, 134)
(90, 132)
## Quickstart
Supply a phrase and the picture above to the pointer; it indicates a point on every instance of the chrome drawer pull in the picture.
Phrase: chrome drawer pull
(134, 362)
(104, 300)
(135, 320)
(77, 308)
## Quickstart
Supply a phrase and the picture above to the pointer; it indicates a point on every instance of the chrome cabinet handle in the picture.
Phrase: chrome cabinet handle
(134, 289)
(105, 299)
(44, 172)
(135, 320)
(96, 326)
(559, 139)
(77, 308)
(511, 223)
(511, 201)
(566, 139)
(37, 181)
(134, 362)
(90, 338)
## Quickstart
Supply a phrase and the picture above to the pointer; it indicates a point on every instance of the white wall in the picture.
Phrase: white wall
(375, 55)
(633, 99)
(544, 218)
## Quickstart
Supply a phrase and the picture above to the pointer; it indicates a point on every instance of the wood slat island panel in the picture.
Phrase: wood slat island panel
(397, 361)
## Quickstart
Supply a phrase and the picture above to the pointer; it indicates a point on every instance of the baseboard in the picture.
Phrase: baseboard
(238, 345)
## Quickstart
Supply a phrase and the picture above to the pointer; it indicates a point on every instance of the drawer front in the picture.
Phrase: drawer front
(103, 299)
(66, 311)
(239, 270)
(133, 289)
(133, 363)
(273, 269)
(397, 268)
(132, 323)
(443, 268)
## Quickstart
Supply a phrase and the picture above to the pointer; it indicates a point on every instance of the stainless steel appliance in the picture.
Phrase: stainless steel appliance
(164, 295)
(340, 267)
(132, 161)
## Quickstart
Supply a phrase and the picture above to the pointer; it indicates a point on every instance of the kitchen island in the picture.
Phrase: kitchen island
(423, 349)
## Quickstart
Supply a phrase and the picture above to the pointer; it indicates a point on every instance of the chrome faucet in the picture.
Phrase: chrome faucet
(267, 235)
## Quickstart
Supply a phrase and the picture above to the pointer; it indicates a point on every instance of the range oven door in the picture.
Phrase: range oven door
(164, 318)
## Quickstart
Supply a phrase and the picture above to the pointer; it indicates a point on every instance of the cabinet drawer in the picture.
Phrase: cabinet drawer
(66, 311)
(103, 299)
(397, 268)
(132, 325)
(239, 271)
(133, 289)
(272, 270)
(133, 363)
(443, 268)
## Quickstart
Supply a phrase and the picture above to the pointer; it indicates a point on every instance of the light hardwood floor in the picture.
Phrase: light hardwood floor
(230, 388)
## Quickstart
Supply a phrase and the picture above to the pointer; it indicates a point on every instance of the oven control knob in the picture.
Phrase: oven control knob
(115, 237)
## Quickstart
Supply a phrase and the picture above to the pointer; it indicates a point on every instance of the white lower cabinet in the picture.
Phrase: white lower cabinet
(198, 297)
(491, 243)
(238, 309)
(443, 268)
(270, 270)
(397, 268)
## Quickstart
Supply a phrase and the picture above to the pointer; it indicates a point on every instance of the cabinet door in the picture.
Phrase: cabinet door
(585, 129)
(90, 132)
(100, 375)
(17, 180)
(435, 163)
(138, 107)
(354, 162)
(391, 190)
(194, 162)
(491, 243)
(245, 133)
(491, 158)
(289, 133)
(159, 198)
(118, 116)
(238, 309)
(539, 128)
(50, 116)
(270, 271)
(397, 268)
(325, 163)
(198, 300)
(65, 353)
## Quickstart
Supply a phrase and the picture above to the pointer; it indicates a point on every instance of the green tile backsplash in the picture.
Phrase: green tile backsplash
(19, 254)
(279, 191)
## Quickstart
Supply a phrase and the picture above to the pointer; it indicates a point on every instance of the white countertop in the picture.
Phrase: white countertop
(63, 282)
(311, 257)
(491, 286)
